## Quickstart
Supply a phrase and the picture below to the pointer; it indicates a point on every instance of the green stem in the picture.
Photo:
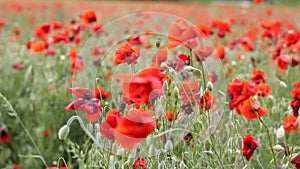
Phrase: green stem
(270, 141)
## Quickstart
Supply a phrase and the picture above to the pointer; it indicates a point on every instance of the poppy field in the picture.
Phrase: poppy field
(100, 84)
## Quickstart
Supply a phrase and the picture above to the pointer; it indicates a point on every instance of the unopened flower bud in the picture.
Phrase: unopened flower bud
(282, 84)
(278, 147)
(169, 145)
(166, 86)
(157, 43)
(63, 132)
(280, 132)
(175, 92)
(210, 86)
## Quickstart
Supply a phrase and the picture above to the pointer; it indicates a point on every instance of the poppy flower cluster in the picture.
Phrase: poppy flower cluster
(242, 91)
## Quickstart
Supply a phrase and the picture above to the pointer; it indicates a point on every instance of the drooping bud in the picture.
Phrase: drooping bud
(210, 86)
(63, 132)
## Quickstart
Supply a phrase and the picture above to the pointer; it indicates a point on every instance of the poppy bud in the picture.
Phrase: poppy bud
(176, 92)
(157, 43)
(166, 86)
(278, 148)
(210, 86)
(63, 132)
(280, 132)
(282, 84)
(169, 145)
(111, 162)
(62, 57)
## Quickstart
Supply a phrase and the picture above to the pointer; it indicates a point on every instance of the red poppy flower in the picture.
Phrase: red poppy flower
(249, 145)
(202, 52)
(126, 54)
(251, 110)
(89, 16)
(46, 132)
(207, 100)
(37, 47)
(136, 39)
(190, 92)
(247, 44)
(18, 66)
(221, 52)
(159, 57)
(263, 89)
(291, 37)
(223, 26)
(185, 58)
(206, 30)
(134, 127)
(60, 37)
(85, 101)
(169, 115)
(4, 136)
(98, 51)
(43, 30)
(107, 127)
(139, 162)
(144, 87)
(258, 1)
(99, 92)
(258, 76)
(16, 166)
(50, 52)
(290, 123)
(239, 91)
(180, 33)
(295, 104)
(283, 62)
(57, 25)
(296, 161)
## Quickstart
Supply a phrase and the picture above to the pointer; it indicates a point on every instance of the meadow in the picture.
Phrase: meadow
(99, 84)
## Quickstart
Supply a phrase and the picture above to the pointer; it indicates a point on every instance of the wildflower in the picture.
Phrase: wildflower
(89, 16)
(180, 33)
(290, 123)
(283, 62)
(263, 89)
(4, 136)
(249, 145)
(85, 101)
(18, 66)
(239, 90)
(139, 162)
(99, 93)
(207, 100)
(144, 86)
(107, 127)
(126, 54)
(251, 110)
(134, 127)
(136, 39)
(296, 161)
(258, 76)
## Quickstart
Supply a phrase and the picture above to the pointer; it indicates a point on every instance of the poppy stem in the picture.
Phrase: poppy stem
(270, 142)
